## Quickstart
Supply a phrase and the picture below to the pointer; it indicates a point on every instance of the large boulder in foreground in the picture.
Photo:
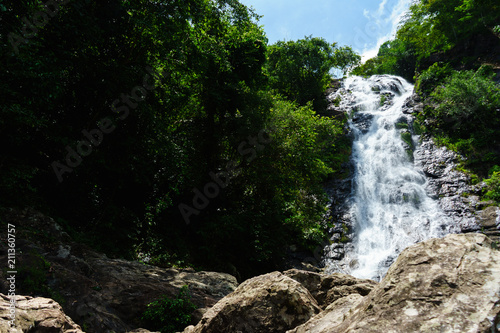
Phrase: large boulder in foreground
(35, 315)
(268, 303)
(440, 285)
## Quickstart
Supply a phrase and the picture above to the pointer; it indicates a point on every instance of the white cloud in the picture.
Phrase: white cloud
(386, 23)
(381, 8)
(366, 13)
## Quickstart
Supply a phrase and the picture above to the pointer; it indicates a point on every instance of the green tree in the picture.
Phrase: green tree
(394, 57)
(300, 70)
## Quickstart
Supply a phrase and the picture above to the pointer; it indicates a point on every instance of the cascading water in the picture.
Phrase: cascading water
(389, 205)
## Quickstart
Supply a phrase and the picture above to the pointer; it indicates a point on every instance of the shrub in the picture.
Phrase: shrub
(467, 102)
(493, 189)
(430, 78)
(170, 315)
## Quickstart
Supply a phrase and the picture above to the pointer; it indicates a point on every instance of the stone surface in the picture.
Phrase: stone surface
(327, 289)
(35, 315)
(332, 316)
(440, 285)
(454, 192)
(268, 303)
(99, 293)
(447, 185)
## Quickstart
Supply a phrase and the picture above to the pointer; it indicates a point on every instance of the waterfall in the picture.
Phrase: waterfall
(389, 206)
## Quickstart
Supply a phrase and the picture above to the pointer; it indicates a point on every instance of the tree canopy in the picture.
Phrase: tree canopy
(434, 27)
(156, 127)
(300, 70)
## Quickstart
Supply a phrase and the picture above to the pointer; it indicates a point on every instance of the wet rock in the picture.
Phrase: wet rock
(413, 105)
(362, 121)
(388, 85)
(447, 185)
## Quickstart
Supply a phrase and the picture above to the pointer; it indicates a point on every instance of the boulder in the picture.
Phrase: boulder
(327, 289)
(121, 290)
(268, 303)
(440, 285)
(489, 220)
(333, 315)
(35, 315)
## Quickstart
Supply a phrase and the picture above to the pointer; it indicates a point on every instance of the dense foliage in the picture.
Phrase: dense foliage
(300, 70)
(170, 315)
(465, 117)
(437, 27)
(153, 127)
(467, 102)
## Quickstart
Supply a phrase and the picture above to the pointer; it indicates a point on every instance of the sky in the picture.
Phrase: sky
(362, 24)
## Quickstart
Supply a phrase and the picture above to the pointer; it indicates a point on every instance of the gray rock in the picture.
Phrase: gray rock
(326, 289)
(447, 185)
(35, 315)
(440, 285)
(332, 316)
(268, 303)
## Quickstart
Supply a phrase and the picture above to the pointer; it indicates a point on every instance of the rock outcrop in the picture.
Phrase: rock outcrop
(452, 188)
(327, 289)
(267, 303)
(99, 293)
(35, 315)
(440, 285)
(332, 316)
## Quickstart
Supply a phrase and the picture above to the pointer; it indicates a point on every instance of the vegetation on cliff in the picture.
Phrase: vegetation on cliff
(450, 49)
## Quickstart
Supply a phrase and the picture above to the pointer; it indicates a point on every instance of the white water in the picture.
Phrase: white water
(391, 208)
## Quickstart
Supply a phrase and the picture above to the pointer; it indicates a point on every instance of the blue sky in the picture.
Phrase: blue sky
(362, 24)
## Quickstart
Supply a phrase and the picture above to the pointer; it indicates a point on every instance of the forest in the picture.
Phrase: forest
(173, 132)
(168, 131)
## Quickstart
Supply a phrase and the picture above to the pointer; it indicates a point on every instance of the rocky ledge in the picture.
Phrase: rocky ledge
(454, 192)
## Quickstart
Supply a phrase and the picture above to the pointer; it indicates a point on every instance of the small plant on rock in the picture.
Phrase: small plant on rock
(170, 315)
